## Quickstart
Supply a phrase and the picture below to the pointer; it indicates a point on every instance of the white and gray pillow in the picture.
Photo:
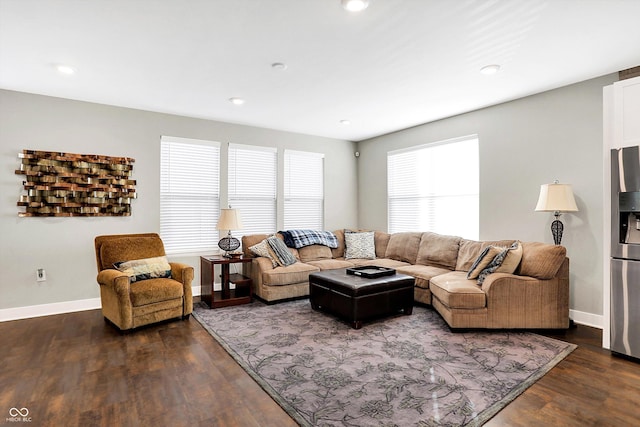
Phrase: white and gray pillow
(359, 245)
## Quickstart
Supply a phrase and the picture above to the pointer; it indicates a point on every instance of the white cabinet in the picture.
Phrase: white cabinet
(626, 113)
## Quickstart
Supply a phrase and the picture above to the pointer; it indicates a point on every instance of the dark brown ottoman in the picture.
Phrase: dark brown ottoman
(355, 298)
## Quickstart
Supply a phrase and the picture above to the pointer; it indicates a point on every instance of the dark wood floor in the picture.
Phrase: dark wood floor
(76, 370)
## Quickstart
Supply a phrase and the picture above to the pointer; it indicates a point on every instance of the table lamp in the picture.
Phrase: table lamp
(229, 220)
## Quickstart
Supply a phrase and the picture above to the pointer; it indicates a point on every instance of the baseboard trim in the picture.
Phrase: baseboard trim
(27, 312)
(587, 319)
(18, 313)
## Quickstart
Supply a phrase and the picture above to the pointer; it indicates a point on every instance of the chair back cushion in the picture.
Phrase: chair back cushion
(126, 247)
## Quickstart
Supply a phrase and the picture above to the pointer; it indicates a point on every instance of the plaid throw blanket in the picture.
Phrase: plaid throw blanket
(301, 238)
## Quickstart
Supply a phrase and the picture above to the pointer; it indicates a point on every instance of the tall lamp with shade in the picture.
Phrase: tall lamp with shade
(556, 198)
(229, 220)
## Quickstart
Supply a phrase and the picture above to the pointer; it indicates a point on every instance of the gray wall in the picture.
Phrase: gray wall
(523, 143)
(64, 246)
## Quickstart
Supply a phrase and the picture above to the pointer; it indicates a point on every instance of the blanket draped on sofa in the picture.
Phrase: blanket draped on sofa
(301, 238)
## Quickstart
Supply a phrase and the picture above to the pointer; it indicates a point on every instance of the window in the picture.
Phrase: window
(303, 190)
(435, 188)
(189, 194)
(252, 187)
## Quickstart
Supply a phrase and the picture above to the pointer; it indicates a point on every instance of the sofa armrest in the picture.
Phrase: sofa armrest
(255, 269)
(526, 302)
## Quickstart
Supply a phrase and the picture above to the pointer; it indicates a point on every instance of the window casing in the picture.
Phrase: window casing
(189, 195)
(252, 187)
(435, 187)
(303, 190)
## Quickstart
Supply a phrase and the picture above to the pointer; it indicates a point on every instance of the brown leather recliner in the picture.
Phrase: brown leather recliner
(129, 305)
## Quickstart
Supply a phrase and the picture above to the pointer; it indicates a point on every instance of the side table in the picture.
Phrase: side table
(243, 292)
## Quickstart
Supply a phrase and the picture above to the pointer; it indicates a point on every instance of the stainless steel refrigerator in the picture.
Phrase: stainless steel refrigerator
(625, 251)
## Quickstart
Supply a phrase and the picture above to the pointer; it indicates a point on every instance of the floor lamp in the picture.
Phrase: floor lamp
(556, 198)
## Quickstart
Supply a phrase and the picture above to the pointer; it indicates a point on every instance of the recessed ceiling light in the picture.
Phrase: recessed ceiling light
(345, 122)
(236, 101)
(490, 69)
(355, 5)
(65, 69)
(279, 66)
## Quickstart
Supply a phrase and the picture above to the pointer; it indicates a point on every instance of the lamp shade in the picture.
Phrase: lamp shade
(556, 197)
(229, 220)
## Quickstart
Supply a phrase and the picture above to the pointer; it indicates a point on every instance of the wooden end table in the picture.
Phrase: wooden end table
(243, 292)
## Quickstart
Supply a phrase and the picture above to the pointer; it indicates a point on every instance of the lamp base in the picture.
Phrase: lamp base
(228, 244)
(556, 229)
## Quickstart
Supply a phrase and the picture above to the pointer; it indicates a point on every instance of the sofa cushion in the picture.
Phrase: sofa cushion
(468, 252)
(382, 241)
(331, 264)
(541, 260)
(422, 273)
(314, 253)
(404, 247)
(359, 245)
(339, 251)
(379, 262)
(155, 290)
(438, 250)
(291, 274)
(454, 290)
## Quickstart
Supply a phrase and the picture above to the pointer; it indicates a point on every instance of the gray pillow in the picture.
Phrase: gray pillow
(283, 256)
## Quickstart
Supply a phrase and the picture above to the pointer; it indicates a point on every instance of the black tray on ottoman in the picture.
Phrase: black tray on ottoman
(356, 298)
(371, 271)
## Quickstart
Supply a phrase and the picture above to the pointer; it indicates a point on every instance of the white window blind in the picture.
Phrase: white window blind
(435, 188)
(303, 190)
(189, 194)
(252, 187)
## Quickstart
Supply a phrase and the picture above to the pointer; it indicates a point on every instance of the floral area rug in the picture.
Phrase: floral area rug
(398, 371)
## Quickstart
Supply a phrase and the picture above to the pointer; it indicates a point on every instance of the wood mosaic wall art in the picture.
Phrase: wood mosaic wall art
(63, 184)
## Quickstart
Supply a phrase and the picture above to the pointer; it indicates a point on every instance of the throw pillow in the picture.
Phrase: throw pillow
(142, 269)
(486, 256)
(262, 249)
(512, 260)
(281, 252)
(495, 263)
(359, 245)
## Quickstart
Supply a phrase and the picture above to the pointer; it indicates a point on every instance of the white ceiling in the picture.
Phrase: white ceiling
(397, 64)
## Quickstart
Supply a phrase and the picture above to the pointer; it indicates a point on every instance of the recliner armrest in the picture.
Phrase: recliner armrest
(114, 279)
(183, 273)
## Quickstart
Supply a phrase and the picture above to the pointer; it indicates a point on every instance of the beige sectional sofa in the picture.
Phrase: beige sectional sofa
(534, 296)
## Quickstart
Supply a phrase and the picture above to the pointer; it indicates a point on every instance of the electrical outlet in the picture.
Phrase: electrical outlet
(41, 275)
